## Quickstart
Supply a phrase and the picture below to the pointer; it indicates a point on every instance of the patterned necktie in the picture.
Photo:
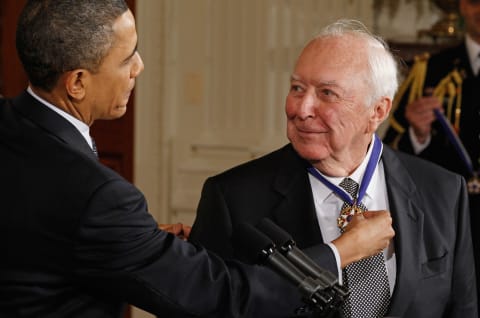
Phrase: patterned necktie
(366, 279)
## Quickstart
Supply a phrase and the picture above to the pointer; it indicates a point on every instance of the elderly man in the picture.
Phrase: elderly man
(395, 228)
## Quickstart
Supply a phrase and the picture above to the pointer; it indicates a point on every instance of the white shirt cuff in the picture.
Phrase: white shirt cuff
(418, 147)
(337, 259)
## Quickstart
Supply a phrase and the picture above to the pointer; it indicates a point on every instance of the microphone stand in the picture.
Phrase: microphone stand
(322, 295)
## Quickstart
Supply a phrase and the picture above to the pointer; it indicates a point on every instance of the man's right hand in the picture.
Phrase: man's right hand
(178, 229)
(366, 235)
(420, 116)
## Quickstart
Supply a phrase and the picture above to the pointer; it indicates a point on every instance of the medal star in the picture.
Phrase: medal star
(347, 214)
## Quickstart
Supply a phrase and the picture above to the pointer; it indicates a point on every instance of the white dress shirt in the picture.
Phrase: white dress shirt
(328, 206)
(473, 51)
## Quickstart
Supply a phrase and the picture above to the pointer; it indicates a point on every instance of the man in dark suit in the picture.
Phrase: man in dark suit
(416, 130)
(76, 239)
(415, 236)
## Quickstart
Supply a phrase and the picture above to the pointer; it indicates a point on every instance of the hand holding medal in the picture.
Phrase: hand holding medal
(368, 233)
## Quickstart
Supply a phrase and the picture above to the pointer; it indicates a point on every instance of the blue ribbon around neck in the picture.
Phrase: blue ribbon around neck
(367, 177)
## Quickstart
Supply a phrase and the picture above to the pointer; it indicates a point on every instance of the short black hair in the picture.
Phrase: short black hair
(57, 36)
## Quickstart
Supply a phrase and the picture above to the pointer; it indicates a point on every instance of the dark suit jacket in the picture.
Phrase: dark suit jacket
(76, 239)
(435, 270)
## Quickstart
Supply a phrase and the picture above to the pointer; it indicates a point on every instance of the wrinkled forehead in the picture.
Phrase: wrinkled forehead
(344, 54)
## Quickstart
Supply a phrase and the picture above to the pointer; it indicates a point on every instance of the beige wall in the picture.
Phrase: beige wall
(216, 75)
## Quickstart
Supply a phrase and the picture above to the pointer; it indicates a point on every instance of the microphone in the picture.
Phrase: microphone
(259, 249)
(287, 247)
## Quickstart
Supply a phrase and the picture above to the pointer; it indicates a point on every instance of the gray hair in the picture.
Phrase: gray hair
(57, 36)
(383, 71)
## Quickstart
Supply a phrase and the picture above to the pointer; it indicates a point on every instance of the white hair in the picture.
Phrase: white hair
(383, 72)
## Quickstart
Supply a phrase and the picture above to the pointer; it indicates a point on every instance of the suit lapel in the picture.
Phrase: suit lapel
(296, 211)
(407, 217)
(463, 61)
(51, 122)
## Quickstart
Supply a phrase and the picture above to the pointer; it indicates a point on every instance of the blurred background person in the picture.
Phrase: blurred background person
(417, 130)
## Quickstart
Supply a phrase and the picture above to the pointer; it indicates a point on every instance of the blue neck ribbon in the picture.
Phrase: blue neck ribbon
(367, 177)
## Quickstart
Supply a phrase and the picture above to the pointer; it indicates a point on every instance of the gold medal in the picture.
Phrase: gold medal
(346, 215)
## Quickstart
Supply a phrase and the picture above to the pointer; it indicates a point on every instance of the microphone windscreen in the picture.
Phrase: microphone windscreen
(279, 236)
(251, 243)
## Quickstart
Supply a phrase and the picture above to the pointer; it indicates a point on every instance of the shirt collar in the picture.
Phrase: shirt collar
(324, 192)
(83, 128)
(473, 51)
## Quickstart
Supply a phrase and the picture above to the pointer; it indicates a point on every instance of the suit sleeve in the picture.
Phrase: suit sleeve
(121, 253)
(213, 229)
(213, 225)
